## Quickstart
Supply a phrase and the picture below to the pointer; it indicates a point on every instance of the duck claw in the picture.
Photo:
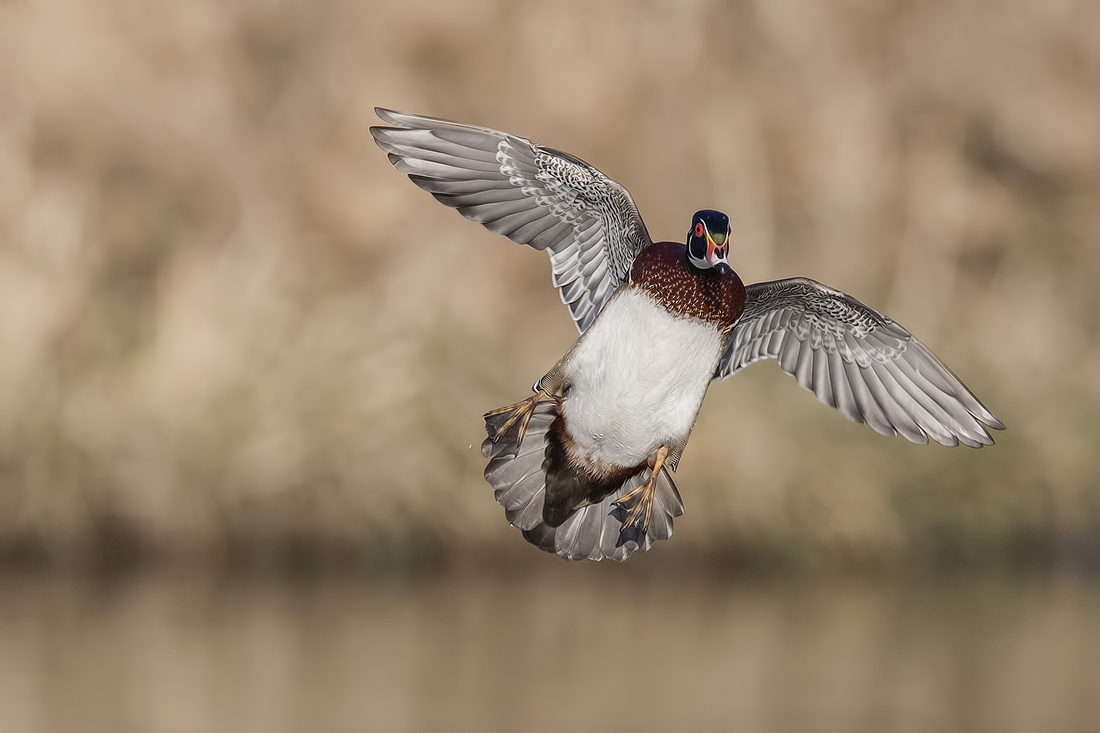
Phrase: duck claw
(506, 426)
(635, 508)
(635, 520)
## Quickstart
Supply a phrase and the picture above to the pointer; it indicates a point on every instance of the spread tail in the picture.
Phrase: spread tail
(516, 471)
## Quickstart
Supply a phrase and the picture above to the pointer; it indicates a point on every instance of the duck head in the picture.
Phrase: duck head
(708, 241)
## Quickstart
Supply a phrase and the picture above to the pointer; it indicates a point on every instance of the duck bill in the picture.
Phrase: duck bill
(716, 253)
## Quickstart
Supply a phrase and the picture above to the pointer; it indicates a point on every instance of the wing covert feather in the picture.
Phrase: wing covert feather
(534, 195)
(857, 360)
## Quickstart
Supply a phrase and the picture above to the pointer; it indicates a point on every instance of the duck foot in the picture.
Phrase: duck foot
(507, 425)
(635, 508)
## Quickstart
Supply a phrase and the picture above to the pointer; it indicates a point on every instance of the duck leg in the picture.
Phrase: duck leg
(636, 505)
(506, 426)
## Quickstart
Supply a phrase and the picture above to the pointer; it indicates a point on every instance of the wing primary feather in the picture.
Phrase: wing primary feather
(823, 383)
(914, 402)
(804, 371)
(842, 390)
(498, 211)
(959, 390)
(432, 151)
(954, 415)
(484, 197)
(898, 417)
(433, 169)
(788, 357)
(774, 344)
(532, 194)
(528, 233)
(856, 359)
(464, 186)
(511, 222)
(868, 406)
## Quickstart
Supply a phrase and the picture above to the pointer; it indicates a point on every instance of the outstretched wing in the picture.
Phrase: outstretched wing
(857, 360)
(533, 195)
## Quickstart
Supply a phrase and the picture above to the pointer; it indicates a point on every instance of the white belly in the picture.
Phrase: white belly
(637, 378)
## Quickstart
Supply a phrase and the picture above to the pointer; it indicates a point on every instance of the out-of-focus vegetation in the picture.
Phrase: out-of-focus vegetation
(229, 329)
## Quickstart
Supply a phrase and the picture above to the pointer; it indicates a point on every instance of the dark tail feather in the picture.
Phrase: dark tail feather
(516, 473)
(593, 531)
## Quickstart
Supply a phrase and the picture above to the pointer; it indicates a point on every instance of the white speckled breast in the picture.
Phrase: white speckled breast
(637, 378)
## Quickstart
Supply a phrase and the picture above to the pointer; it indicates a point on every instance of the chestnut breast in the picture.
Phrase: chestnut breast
(663, 270)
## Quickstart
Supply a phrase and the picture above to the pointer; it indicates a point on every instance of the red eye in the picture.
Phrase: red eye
(699, 229)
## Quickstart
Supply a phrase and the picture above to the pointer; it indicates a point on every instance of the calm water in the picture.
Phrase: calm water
(572, 648)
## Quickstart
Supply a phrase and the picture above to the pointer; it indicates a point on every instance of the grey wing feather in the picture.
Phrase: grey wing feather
(531, 194)
(857, 360)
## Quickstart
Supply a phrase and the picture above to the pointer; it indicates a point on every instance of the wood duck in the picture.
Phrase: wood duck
(581, 467)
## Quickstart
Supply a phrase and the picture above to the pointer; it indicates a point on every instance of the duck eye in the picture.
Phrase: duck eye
(699, 229)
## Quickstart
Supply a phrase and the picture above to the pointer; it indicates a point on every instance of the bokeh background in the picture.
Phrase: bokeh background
(243, 363)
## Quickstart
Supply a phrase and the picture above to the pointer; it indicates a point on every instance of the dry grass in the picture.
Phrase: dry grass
(226, 321)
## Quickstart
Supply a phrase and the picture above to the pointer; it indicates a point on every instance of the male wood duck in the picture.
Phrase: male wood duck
(581, 467)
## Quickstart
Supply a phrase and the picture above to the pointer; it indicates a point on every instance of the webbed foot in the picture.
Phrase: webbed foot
(506, 426)
(635, 508)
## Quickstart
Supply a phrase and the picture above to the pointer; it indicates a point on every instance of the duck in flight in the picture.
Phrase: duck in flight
(581, 466)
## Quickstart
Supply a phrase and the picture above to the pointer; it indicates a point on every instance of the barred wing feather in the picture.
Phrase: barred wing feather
(857, 360)
(531, 194)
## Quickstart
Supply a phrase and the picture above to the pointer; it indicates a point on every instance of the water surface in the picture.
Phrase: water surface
(573, 648)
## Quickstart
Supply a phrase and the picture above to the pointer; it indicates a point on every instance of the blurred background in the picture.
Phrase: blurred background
(243, 363)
